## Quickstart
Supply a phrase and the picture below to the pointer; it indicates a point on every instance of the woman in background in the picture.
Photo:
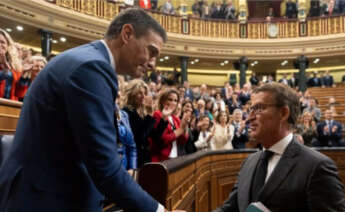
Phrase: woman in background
(10, 66)
(307, 129)
(138, 106)
(223, 134)
(176, 132)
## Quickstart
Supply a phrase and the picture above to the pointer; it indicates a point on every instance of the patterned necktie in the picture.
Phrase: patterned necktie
(260, 175)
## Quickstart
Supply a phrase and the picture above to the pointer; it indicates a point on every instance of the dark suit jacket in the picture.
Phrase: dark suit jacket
(294, 83)
(304, 180)
(330, 138)
(328, 81)
(240, 138)
(64, 155)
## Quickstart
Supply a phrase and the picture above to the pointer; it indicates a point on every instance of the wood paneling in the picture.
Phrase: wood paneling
(202, 181)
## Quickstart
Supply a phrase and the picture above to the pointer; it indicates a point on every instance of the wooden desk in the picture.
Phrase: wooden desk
(202, 181)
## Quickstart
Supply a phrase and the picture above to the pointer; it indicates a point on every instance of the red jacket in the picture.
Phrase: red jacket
(16, 76)
(160, 149)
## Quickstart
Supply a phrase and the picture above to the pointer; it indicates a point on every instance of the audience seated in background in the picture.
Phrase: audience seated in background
(223, 133)
(313, 109)
(189, 147)
(329, 131)
(307, 129)
(30, 71)
(314, 81)
(139, 106)
(206, 134)
(175, 133)
(290, 9)
(328, 80)
(10, 67)
(241, 130)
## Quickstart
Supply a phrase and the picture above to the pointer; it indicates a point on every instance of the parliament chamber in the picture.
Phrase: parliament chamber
(203, 51)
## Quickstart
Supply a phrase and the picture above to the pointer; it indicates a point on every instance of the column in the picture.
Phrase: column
(302, 64)
(45, 41)
(242, 65)
(184, 68)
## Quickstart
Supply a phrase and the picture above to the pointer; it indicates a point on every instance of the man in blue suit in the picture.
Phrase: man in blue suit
(64, 155)
(329, 131)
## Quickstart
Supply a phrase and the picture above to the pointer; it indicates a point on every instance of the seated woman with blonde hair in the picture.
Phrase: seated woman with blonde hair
(307, 129)
(138, 105)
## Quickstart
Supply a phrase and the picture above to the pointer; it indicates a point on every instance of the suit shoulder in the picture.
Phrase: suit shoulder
(313, 155)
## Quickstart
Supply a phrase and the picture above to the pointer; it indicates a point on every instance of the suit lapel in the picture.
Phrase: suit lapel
(245, 182)
(281, 171)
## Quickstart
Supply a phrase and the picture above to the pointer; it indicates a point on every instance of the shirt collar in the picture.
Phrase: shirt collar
(280, 146)
(111, 56)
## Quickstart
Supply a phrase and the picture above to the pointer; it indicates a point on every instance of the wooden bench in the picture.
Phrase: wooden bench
(9, 115)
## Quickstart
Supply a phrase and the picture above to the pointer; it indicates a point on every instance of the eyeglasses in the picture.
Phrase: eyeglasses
(258, 108)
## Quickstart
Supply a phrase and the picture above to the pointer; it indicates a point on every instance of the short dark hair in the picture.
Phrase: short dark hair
(139, 19)
(283, 96)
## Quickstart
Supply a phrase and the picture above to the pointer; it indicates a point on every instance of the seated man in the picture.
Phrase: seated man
(286, 176)
(329, 131)
(313, 109)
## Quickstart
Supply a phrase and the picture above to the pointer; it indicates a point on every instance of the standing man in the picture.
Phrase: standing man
(329, 132)
(286, 176)
(64, 155)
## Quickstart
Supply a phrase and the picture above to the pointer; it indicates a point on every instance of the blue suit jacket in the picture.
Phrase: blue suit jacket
(64, 155)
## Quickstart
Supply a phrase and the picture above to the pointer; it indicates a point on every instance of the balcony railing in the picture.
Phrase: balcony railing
(253, 29)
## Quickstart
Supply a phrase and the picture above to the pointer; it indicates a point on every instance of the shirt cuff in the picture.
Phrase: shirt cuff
(160, 208)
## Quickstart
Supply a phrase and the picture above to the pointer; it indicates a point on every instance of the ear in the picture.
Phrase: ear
(127, 33)
(285, 113)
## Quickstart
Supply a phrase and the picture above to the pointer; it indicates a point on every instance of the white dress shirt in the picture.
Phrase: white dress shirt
(278, 149)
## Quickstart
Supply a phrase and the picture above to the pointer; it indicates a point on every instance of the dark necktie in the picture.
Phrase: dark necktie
(260, 175)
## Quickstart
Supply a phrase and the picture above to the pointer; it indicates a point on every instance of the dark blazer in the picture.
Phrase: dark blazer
(304, 180)
(64, 155)
(328, 81)
(329, 138)
(294, 83)
(240, 138)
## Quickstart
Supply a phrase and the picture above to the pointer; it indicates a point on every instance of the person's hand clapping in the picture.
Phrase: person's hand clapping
(167, 111)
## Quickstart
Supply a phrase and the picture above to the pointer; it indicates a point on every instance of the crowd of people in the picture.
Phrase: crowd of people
(159, 118)
(18, 67)
(75, 114)
(225, 9)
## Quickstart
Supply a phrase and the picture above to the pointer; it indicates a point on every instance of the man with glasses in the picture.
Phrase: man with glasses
(285, 176)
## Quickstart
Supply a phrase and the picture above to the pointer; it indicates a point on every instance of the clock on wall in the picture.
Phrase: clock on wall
(272, 30)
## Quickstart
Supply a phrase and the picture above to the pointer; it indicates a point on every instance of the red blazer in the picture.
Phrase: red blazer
(160, 149)
(16, 76)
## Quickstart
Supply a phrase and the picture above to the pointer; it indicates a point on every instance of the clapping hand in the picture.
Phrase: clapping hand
(334, 128)
(167, 111)
(325, 129)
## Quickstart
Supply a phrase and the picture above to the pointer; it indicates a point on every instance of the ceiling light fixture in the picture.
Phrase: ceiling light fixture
(20, 28)
(166, 57)
(8, 29)
(316, 60)
(63, 39)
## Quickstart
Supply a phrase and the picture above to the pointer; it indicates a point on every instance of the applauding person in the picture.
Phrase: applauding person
(176, 131)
